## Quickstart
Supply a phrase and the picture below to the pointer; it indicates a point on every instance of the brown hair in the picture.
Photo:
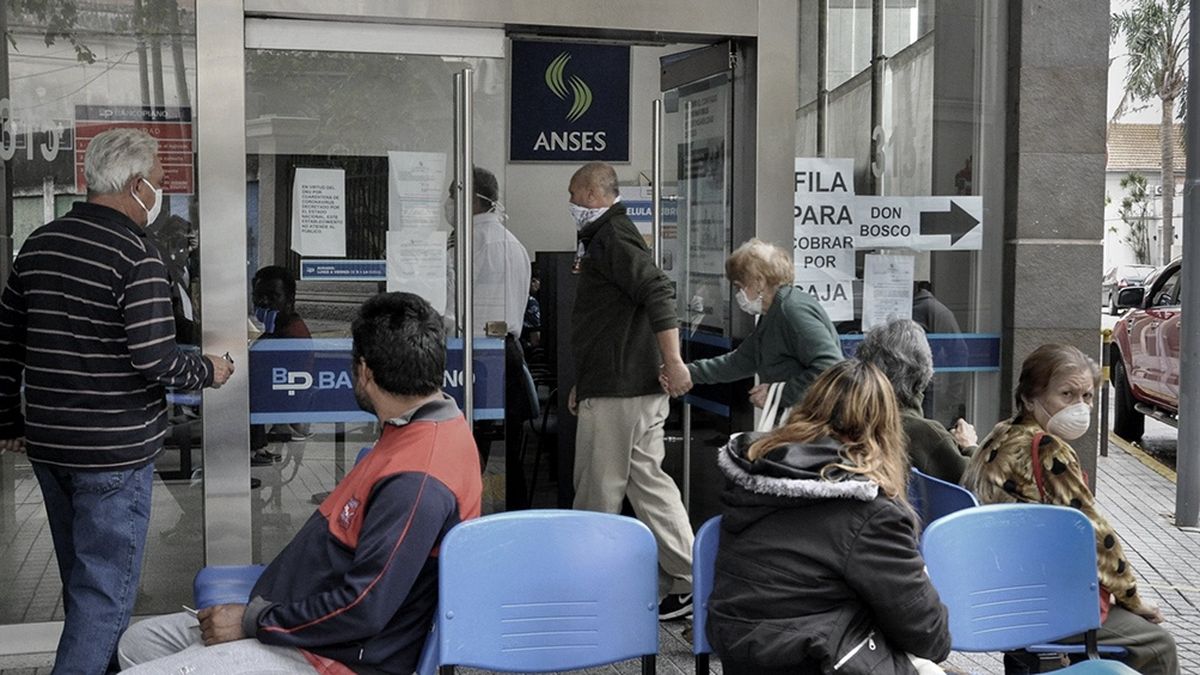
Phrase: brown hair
(756, 260)
(851, 402)
(1042, 366)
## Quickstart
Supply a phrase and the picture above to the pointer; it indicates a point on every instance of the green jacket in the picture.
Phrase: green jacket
(794, 343)
(931, 448)
(622, 300)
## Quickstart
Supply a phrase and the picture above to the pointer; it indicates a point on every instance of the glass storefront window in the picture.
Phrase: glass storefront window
(108, 63)
(374, 134)
(932, 133)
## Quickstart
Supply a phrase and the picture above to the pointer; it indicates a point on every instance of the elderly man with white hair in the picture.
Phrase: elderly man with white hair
(900, 349)
(86, 321)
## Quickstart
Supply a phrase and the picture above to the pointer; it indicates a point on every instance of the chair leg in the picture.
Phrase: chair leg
(701, 664)
(537, 463)
(649, 664)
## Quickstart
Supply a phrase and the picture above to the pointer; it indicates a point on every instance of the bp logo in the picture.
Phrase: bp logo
(580, 93)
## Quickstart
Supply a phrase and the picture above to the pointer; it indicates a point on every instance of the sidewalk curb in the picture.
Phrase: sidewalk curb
(1142, 457)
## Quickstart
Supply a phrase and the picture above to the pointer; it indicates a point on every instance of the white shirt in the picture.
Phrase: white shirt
(502, 274)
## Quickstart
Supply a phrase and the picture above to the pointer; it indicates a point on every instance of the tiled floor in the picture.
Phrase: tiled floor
(1138, 501)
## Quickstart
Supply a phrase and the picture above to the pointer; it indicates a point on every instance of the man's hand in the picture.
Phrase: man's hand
(12, 445)
(221, 623)
(222, 369)
(676, 378)
(964, 434)
(758, 394)
(572, 405)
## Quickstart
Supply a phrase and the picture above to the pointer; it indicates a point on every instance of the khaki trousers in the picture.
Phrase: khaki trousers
(619, 453)
(1151, 647)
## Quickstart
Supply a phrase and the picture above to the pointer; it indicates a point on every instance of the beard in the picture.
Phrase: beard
(360, 397)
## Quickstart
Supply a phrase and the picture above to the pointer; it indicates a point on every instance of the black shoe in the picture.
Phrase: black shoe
(255, 483)
(675, 606)
(261, 458)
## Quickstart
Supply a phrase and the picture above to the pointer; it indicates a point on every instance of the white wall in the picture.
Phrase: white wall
(536, 194)
(1116, 251)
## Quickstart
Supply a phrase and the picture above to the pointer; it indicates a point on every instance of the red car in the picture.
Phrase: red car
(1145, 353)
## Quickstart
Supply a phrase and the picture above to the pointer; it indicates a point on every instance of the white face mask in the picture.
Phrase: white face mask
(1071, 422)
(749, 306)
(448, 211)
(583, 215)
(153, 211)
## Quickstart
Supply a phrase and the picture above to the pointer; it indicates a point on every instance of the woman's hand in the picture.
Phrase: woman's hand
(758, 394)
(1150, 613)
(964, 434)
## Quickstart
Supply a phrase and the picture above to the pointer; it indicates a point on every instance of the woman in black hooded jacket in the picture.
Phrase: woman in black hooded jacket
(818, 569)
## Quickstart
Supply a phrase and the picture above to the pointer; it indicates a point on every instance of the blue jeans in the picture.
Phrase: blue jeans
(98, 520)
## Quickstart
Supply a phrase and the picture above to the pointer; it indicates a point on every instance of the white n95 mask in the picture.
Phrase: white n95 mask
(1071, 422)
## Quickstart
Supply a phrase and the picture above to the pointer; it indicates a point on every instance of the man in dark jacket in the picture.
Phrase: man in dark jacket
(624, 334)
(356, 589)
(86, 319)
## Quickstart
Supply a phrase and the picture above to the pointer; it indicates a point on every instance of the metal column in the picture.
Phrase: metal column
(464, 181)
(221, 129)
(1187, 467)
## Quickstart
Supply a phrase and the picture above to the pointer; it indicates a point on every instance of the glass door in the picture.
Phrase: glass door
(697, 234)
(354, 139)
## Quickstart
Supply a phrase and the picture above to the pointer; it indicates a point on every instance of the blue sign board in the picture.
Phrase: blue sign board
(569, 102)
(305, 380)
(343, 270)
(952, 352)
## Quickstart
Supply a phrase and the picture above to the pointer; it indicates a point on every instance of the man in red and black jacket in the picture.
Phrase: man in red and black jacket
(356, 589)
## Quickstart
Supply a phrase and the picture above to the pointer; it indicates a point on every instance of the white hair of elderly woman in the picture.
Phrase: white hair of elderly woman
(899, 348)
(115, 156)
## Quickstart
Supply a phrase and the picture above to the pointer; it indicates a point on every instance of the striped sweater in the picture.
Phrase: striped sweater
(86, 314)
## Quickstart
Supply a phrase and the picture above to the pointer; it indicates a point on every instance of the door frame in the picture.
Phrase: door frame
(770, 27)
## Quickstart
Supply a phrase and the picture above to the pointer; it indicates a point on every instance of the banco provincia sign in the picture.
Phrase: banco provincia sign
(569, 102)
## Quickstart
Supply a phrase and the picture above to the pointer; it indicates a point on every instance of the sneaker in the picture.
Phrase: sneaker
(675, 606)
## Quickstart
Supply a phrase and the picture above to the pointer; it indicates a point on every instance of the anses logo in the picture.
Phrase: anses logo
(580, 92)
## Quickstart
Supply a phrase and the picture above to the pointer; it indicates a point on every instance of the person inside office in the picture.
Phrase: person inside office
(501, 290)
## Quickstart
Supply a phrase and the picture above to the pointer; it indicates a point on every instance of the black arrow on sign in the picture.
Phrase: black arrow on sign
(956, 222)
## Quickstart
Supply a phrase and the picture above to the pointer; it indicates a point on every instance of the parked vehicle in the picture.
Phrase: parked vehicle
(1121, 276)
(1145, 353)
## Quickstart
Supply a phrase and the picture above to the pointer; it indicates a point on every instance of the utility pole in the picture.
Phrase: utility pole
(6, 179)
(1187, 464)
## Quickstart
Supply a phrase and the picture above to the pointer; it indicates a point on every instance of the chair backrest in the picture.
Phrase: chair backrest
(704, 563)
(936, 497)
(1014, 575)
(546, 590)
(531, 394)
(362, 452)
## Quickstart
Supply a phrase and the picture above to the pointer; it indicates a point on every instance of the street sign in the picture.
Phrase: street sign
(919, 223)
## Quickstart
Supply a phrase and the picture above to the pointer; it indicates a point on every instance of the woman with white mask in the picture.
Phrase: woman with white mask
(1029, 459)
(794, 340)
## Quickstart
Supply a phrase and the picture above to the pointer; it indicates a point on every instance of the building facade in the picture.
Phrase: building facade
(991, 108)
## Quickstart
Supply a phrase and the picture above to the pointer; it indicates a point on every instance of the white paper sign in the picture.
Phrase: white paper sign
(416, 189)
(887, 289)
(416, 263)
(824, 233)
(319, 212)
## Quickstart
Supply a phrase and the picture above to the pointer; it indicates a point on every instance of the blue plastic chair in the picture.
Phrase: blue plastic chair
(933, 497)
(547, 590)
(1014, 575)
(704, 562)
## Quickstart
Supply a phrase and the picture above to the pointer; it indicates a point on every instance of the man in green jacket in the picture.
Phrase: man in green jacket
(624, 334)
